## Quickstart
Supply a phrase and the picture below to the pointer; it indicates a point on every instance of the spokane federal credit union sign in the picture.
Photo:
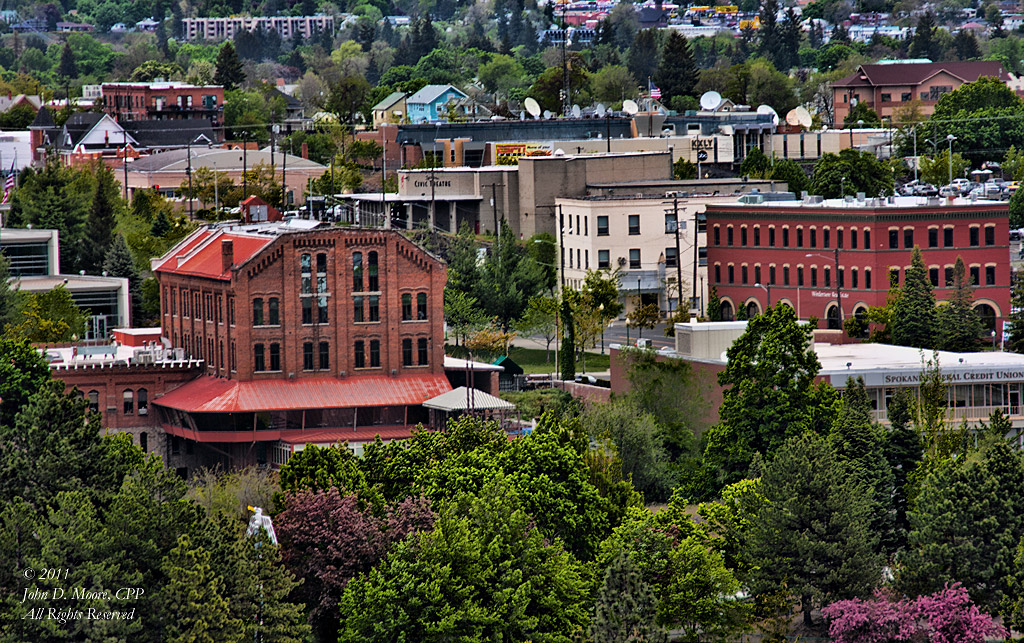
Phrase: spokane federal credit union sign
(905, 377)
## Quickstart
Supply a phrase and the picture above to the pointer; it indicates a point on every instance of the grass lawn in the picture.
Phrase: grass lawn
(534, 360)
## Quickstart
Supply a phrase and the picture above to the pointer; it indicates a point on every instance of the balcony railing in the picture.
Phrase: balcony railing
(968, 413)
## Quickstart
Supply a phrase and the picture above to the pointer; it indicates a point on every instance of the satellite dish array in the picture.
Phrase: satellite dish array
(630, 107)
(709, 101)
(799, 117)
(767, 109)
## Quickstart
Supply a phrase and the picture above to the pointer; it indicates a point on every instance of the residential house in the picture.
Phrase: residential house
(389, 110)
(427, 105)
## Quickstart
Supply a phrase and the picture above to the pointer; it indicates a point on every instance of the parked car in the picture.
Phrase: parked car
(948, 191)
(927, 189)
(963, 185)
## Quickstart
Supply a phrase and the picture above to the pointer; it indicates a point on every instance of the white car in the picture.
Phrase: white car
(963, 185)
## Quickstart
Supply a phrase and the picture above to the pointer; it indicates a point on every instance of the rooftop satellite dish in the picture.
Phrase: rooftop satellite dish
(630, 107)
(600, 110)
(710, 100)
(767, 109)
(532, 106)
(792, 118)
(547, 114)
(803, 116)
(576, 111)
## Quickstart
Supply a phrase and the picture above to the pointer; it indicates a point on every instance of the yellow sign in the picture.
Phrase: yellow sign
(517, 150)
(699, 9)
(727, 9)
(752, 24)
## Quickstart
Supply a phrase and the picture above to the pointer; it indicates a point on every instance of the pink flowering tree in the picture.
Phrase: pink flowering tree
(947, 616)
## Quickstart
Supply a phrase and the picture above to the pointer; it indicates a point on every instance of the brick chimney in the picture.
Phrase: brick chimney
(227, 254)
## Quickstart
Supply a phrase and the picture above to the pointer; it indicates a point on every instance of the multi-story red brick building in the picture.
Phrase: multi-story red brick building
(159, 101)
(273, 338)
(788, 251)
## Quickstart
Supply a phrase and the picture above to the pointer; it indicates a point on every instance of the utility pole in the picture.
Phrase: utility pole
(191, 200)
(494, 205)
(245, 168)
(679, 255)
(216, 190)
(385, 216)
(565, 65)
(125, 132)
(284, 177)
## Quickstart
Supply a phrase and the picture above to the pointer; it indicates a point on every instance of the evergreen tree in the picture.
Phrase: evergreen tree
(625, 609)
(99, 229)
(192, 596)
(959, 325)
(903, 452)
(714, 311)
(860, 443)
(966, 46)
(10, 306)
(677, 74)
(924, 44)
(22, 373)
(161, 225)
(913, 319)
(229, 71)
(67, 68)
(791, 34)
(643, 55)
(769, 36)
(263, 606)
(119, 263)
(812, 538)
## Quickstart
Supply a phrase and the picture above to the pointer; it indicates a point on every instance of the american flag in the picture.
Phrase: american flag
(9, 185)
(655, 92)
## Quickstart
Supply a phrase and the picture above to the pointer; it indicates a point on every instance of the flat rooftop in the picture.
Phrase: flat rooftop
(869, 203)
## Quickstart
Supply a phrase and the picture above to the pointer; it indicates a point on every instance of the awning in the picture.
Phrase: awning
(461, 400)
(219, 395)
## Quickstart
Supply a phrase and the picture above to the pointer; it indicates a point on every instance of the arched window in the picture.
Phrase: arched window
(406, 307)
(987, 314)
(421, 306)
(143, 401)
(94, 401)
(273, 312)
(423, 353)
(373, 281)
(753, 310)
(144, 442)
(406, 352)
(305, 263)
(257, 311)
(357, 272)
(727, 312)
(129, 402)
(832, 315)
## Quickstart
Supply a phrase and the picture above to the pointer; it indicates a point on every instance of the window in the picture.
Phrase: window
(94, 401)
(728, 235)
(949, 276)
(853, 239)
(257, 312)
(785, 237)
(634, 224)
(670, 222)
(743, 236)
(732, 273)
(307, 273)
(933, 237)
(357, 272)
(374, 308)
(325, 356)
(990, 275)
(974, 235)
(757, 274)
(357, 308)
(743, 274)
(757, 235)
(894, 238)
(634, 258)
(785, 275)
(826, 239)
(406, 352)
(321, 265)
(602, 260)
(422, 357)
(894, 276)
(906, 97)
(827, 277)
(360, 354)
(258, 363)
(975, 275)
(373, 282)
(799, 237)
(586, 227)
(718, 236)
(307, 356)
(771, 236)
(771, 275)
(670, 258)
(275, 357)
(602, 226)
(886, 98)
(421, 306)
(814, 237)
(839, 239)
(908, 238)
(307, 310)
(184, 303)
(321, 309)
(143, 398)
(374, 353)
(406, 307)
(867, 239)
(867, 279)
(273, 312)
(144, 442)
(718, 273)
(990, 235)
(853, 278)
(814, 277)
(947, 237)
(800, 276)
(933, 276)
(702, 256)
(129, 401)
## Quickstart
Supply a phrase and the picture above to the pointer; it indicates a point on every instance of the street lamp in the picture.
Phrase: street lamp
(950, 138)
(768, 289)
(917, 161)
(839, 298)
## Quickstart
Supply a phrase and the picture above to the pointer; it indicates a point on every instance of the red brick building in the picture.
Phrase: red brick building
(273, 338)
(789, 249)
(159, 101)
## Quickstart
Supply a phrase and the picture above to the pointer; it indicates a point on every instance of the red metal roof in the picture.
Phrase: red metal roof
(202, 256)
(294, 436)
(218, 395)
(917, 73)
